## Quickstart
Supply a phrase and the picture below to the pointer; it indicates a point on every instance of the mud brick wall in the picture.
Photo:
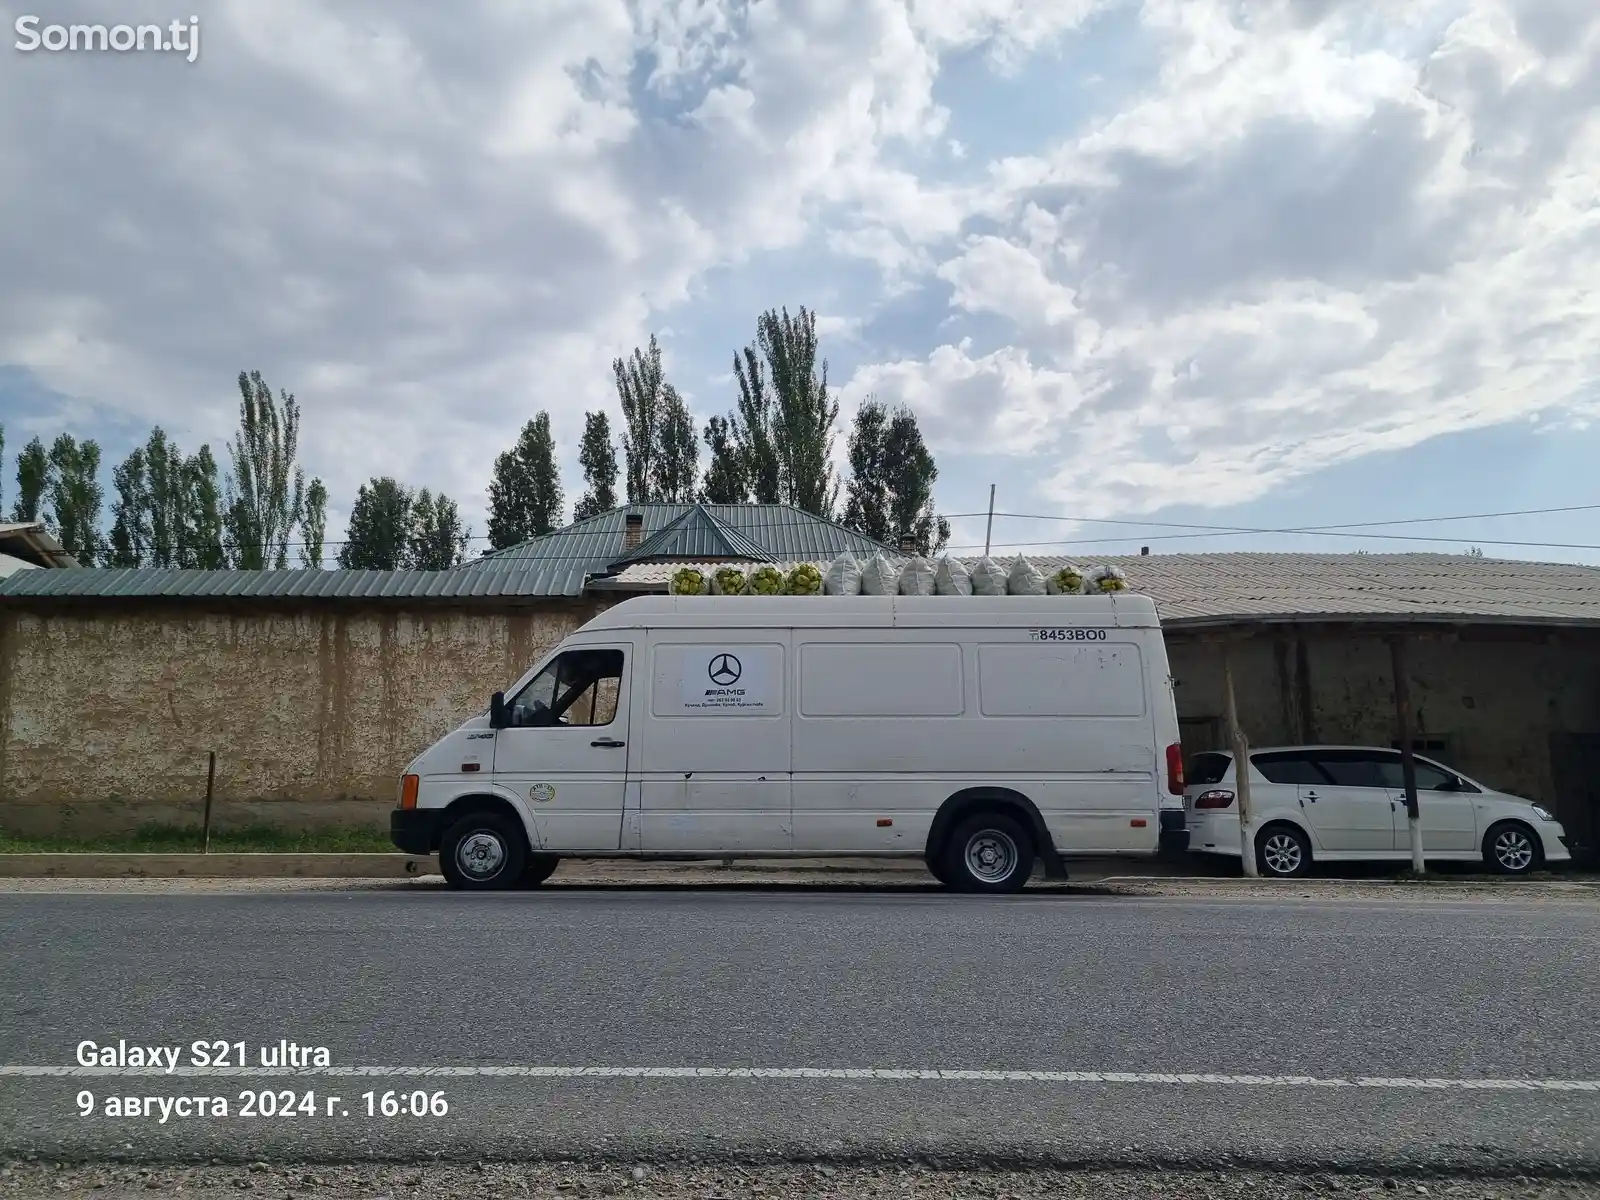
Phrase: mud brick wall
(107, 711)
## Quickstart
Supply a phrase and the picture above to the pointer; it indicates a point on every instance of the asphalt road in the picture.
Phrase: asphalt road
(1056, 983)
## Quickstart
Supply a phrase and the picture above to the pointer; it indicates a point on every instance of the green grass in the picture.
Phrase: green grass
(174, 839)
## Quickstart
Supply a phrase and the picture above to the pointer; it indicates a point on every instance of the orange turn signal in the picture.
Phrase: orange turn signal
(1138, 822)
(408, 790)
(885, 822)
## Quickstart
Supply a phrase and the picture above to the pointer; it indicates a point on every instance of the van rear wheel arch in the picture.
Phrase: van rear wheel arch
(1009, 801)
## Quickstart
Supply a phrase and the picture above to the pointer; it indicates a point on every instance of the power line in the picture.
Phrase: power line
(1235, 529)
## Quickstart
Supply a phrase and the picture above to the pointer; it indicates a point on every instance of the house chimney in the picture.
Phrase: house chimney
(632, 532)
(1144, 551)
(908, 543)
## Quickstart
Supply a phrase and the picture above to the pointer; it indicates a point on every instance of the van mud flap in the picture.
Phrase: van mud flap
(1054, 867)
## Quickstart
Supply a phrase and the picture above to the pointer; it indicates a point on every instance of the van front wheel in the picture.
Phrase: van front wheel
(483, 851)
(989, 852)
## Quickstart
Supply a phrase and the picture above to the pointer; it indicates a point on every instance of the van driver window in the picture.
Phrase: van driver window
(579, 688)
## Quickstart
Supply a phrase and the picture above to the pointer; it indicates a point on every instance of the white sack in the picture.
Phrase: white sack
(880, 577)
(1024, 579)
(843, 576)
(951, 578)
(916, 577)
(988, 578)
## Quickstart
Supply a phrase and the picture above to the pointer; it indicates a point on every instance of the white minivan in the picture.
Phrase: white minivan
(980, 734)
(1348, 804)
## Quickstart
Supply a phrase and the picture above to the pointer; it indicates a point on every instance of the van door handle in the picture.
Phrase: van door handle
(608, 744)
(1311, 796)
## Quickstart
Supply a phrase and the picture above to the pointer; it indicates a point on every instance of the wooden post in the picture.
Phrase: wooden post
(211, 787)
(1241, 766)
(988, 531)
(1408, 760)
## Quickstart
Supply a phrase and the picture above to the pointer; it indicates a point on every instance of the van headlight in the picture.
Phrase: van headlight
(1543, 813)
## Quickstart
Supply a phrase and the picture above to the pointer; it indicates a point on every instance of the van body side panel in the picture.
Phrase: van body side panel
(713, 745)
(889, 725)
(868, 705)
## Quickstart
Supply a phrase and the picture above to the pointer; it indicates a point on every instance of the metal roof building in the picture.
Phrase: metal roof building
(565, 562)
(1199, 590)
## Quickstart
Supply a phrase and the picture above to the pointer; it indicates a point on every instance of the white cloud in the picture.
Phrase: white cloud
(1314, 238)
(1318, 228)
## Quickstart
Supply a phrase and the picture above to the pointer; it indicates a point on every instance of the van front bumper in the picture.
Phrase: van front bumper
(1174, 838)
(413, 829)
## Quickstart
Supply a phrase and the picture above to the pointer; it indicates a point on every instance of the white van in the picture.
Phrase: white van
(976, 733)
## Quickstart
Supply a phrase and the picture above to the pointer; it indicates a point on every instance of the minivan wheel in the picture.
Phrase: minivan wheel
(988, 852)
(483, 851)
(1510, 848)
(540, 867)
(1282, 852)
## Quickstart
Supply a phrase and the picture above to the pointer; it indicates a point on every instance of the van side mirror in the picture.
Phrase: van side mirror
(497, 711)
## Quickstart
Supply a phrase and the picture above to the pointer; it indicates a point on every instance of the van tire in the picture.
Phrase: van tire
(540, 867)
(989, 852)
(483, 851)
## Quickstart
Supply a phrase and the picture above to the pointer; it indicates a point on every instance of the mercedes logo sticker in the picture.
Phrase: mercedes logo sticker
(724, 670)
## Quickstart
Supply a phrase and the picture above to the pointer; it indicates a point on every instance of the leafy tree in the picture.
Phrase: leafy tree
(381, 529)
(130, 524)
(803, 426)
(866, 504)
(167, 500)
(76, 497)
(438, 541)
(33, 480)
(598, 458)
(525, 493)
(314, 524)
(203, 527)
(2, 451)
(725, 477)
(891, 480)
(640, 388)
(677, 458)
(751, 427)
(266, 488)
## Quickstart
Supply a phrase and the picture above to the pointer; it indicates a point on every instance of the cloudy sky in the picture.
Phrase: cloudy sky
(1253, 264)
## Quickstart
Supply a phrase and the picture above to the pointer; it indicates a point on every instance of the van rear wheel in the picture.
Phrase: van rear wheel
(483, 851)
(540, 867)
(989, 852)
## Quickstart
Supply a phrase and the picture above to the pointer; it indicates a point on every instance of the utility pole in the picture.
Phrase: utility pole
(1241, 767)
(988, 531)
(1408, 759)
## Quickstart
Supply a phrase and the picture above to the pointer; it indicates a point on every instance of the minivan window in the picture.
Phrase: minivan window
(1207, 768)
(1358, 768)
(1288, 766)
(579, 687)
(1429, 777)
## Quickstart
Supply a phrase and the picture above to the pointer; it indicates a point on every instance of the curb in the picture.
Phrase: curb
(216, 866)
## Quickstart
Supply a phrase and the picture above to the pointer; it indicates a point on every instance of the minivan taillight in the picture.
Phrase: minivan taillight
(1215, 798)
(1175, 769)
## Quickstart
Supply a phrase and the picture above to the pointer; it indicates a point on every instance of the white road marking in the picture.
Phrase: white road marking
(832, 1073)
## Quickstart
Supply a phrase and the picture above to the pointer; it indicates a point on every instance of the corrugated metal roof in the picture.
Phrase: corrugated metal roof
(515, 579)
(697, 534)
(1201, 589)
(778, 530)
(33, 543)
